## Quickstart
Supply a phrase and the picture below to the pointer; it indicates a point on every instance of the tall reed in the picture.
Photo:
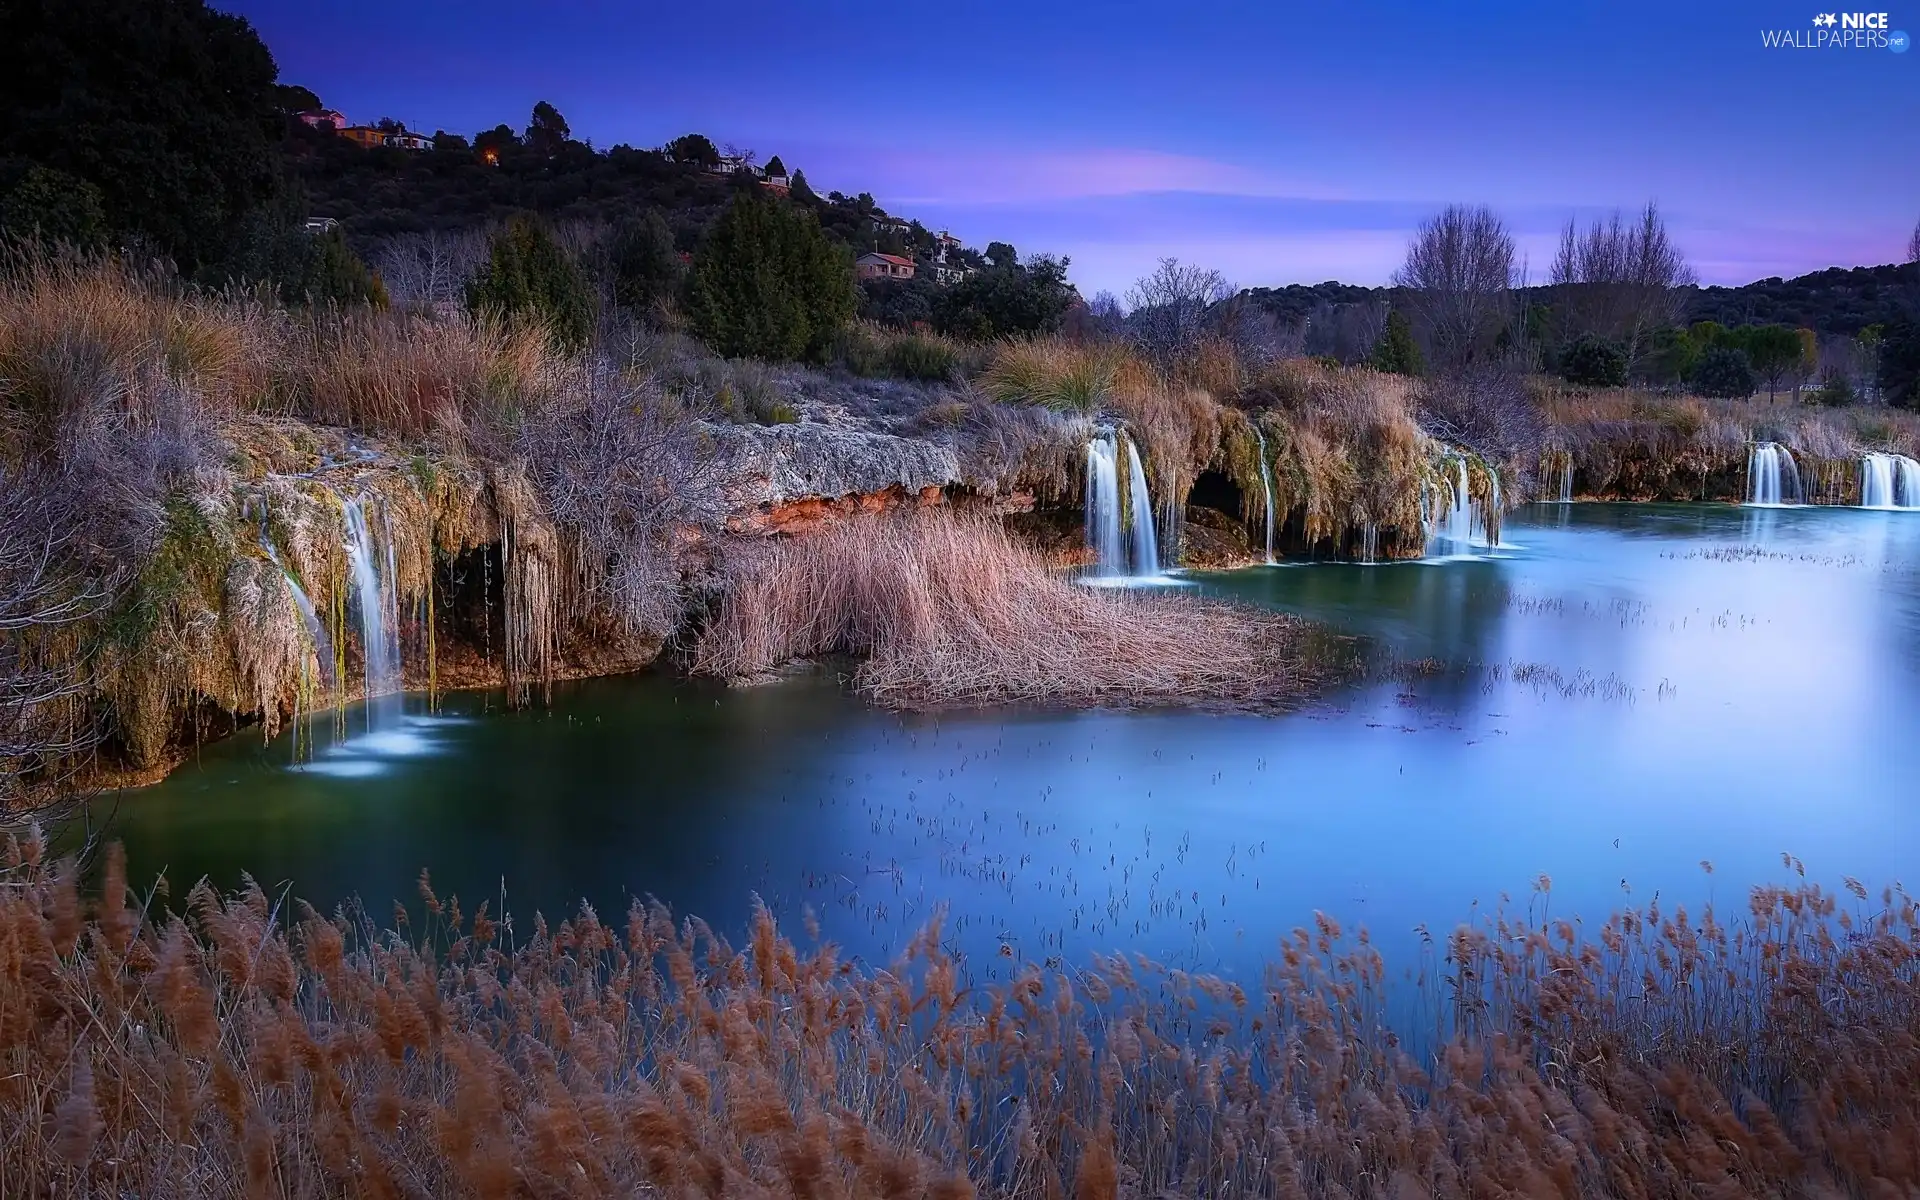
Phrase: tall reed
(252, 1047)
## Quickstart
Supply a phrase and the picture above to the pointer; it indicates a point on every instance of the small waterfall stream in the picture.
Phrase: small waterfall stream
(1266, 487)
(378, 612)
(1463, 527)
(1103, 510)
(1146, 546)
(1889, 481)
(1773, 478)
(1109, 522)
(1566, 480)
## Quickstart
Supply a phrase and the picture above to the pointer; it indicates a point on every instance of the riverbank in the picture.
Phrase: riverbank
(258, 1046)
(223, 514)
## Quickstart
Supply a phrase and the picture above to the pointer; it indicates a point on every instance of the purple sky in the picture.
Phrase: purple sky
(1281, 143)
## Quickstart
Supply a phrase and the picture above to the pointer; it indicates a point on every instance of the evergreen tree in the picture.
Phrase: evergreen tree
(1396, 352)
(1006, 300)
(529, 276)
(336, 275)
(1899, 373)
(1594, 362)
(641, 261)
(775, 166)
(768, 283)
(40, 204)
(166, 106)
(548, 133)
(1723, 373)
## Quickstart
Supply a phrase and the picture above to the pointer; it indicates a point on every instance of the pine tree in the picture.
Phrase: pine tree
(1397, 353)
(768, 283)
(530, 276)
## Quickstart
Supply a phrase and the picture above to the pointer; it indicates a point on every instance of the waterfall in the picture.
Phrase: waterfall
(1890, 481)
(1146, 547)
(1566, 480)
(1369, 543)
(1773, 478)
(1455, 526)
(316, 632)
(1266, 488)
(379, 616)
(1106, 536)
(1103, 510)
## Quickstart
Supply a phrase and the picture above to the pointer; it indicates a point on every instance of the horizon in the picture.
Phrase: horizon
(1190, 150)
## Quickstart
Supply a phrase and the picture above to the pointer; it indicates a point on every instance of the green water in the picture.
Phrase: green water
(1625, 692)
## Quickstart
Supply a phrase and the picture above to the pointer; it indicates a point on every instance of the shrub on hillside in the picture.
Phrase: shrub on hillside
(769, 284)
(641, 260)
(1594, 362)
(1724, 373)
(1397, 353)
(528, 276)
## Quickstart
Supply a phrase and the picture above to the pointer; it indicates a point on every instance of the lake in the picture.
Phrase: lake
(1621, 694)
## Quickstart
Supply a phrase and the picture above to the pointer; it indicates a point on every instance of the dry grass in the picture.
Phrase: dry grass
(254, 1048)
(1638, 445)
(948, 609)
(1067, 376)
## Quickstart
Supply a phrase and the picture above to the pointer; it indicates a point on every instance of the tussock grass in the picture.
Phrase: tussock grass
(948, 609)
(1066, 376)
(252, 1047)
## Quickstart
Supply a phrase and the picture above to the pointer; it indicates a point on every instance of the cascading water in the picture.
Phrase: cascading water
(1889, 481)
(1566, 480)
(1463, 522)
(378, 614)
(1146, 546)
(1106, 528)
(1266, 487)
(316, 632)
(1773, 478)
(1103, 510)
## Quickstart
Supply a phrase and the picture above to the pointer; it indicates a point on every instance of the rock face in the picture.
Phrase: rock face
(788, 478)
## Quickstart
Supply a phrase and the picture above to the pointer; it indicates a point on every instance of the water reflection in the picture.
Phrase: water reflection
(1631, 691)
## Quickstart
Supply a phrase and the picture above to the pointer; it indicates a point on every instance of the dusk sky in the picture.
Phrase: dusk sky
(1281, 143)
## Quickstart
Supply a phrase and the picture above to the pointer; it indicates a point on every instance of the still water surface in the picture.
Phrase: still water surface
(1624, 692)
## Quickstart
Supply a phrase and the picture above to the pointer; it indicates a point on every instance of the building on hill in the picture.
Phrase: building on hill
(363, 135)
(330, 120)
(946, 274)
(404, 140)
(946, 242)
(777, 183)
(882, 266)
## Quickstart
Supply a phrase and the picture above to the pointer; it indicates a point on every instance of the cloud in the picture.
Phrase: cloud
(1031, 176)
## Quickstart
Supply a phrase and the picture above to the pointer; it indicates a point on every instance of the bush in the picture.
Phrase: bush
(1593, 362)
(1724, 374)
(1900, 362)
(1064, 376)
(51, 207)
(642, 262)
(769, 284)
(917, 356)
(529, 276)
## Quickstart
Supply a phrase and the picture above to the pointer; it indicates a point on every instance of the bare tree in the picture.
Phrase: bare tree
(624, 471)
(1620, 281)
(1913, 245)
(1458, 273)
(1171, 309)
(1347, 332)
(429, 269)
(1485, 408)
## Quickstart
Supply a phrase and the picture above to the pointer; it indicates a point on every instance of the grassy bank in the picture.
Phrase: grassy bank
(256, 1048)
(945, 609)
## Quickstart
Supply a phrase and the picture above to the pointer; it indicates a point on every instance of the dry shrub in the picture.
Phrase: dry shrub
(251, 1046)
(1637, 445)
(1067, 376)
(84, 333)
(947, 608)
(406, 375)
